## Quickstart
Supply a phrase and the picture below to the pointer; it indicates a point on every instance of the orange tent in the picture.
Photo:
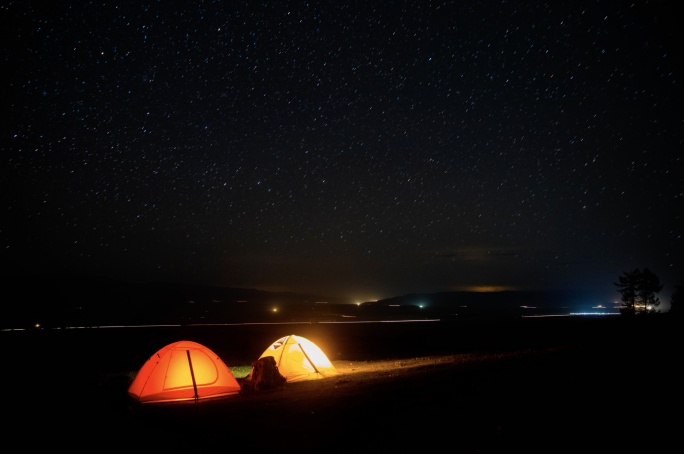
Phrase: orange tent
(299, 359)
(183, 370)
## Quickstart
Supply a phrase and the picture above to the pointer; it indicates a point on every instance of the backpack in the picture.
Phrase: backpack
(264, 375)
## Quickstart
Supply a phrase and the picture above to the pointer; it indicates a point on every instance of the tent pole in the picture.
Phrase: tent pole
(192, 374)
(309, 359)
(282, 350)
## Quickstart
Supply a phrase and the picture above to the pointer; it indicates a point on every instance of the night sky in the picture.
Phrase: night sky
(359, 149)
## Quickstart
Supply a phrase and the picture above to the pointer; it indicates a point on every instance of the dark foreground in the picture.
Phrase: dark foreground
(586, 384)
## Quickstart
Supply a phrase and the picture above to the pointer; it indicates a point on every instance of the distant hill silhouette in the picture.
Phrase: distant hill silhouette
(61, 300)
(487, 304)
(74, 300)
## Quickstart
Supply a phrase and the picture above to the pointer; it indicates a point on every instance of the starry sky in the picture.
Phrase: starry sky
(362, 149)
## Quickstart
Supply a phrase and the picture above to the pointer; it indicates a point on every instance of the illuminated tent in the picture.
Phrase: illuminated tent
(299, 359)
(183, 370)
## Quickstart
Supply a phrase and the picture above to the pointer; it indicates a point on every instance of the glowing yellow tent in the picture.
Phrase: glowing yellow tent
(299, 359)
(183, 370)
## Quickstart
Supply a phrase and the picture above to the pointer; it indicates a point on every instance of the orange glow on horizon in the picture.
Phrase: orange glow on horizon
(486, 288)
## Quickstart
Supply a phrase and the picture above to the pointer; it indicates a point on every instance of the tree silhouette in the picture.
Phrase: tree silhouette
(638, 289)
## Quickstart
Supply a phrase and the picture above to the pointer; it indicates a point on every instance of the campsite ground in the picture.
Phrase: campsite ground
(552, 386)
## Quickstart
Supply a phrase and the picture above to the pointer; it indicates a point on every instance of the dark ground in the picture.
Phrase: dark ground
(528, 385)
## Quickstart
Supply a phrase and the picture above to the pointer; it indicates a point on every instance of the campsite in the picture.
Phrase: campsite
(543, 385)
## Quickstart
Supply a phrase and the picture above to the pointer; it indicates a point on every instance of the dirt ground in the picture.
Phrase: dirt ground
(537, 400)
(375, 370)
(551, 387)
